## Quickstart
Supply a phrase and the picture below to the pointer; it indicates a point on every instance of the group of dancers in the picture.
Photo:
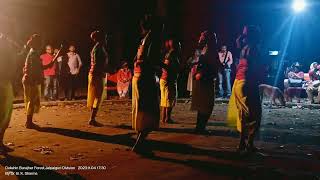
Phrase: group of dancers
(245, 105)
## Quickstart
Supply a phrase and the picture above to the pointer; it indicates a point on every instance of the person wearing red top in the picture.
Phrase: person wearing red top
(245, 93)
(50, 78)
(314, 83)
(124, 77)
(314, 72)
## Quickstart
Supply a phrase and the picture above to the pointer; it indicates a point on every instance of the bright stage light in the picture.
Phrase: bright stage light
(299, 5)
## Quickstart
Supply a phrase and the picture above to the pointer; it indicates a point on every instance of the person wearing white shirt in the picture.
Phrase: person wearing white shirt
(74, 63)
(226, 60)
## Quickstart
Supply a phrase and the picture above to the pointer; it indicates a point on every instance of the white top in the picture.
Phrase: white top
(229, 58)
(74, 62)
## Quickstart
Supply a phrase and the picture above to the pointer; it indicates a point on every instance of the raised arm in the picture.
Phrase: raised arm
(55, 58)
(11, 42)
(57, 55)
(230, 59)
(20, 50)
(238, 43)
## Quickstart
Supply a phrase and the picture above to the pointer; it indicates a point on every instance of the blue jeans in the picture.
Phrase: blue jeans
(50, 87)
(225, 78)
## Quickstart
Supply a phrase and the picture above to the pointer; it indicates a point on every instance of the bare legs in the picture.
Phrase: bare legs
(92, 120)
(163, 114)
(166, 115)
(248, 132)
(250, 145)
(169, 111)
(243, 137)
(29, 123)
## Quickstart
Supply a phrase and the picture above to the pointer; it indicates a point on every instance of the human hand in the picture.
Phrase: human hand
(198, 76)
(140, 51)
(204, 50)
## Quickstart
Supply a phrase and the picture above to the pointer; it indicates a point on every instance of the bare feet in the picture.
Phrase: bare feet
(30, 125)
(95, 123)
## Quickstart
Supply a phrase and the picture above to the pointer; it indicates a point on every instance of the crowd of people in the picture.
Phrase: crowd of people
(224, 78)
(208, 63)
(313, 86)
(298, 81)
(63, 74)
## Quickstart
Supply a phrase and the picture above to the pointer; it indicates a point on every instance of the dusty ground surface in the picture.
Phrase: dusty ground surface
(290, 142)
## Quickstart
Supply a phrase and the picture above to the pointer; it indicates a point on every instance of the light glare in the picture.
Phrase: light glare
(299, 5)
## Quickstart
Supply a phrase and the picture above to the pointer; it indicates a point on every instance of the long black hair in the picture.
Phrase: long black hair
(253, 35)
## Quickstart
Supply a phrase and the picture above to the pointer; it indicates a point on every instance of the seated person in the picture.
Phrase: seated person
(124, 78)
(313, 86)
(295, 76)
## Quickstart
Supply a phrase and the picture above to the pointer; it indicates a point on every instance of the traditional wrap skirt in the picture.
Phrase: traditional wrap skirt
(145, 104)
(96, 91)
(32, 95)
(6, 97)
(245, 109)
(203, 96)
(168, 93)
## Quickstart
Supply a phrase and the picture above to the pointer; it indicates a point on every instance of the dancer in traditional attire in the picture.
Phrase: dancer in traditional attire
(33, 77)
(168, 81)
(145, 101)
(97, 73)
(245, 102)
(7, 71)
(203, 93)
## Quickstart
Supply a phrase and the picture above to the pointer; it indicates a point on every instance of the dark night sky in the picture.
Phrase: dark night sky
(72, 21)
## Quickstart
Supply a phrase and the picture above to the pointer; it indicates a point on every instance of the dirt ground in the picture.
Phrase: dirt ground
(289, 142)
